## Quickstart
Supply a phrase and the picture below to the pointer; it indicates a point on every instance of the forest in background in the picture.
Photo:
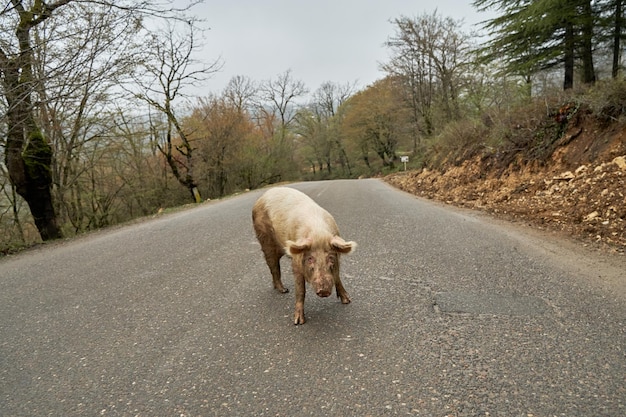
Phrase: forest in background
(97, 128)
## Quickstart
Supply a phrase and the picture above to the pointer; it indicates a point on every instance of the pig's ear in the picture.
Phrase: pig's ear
(341, 245)
(294, 248)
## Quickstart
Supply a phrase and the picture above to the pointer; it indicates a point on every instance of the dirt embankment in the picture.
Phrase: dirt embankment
(578, 189)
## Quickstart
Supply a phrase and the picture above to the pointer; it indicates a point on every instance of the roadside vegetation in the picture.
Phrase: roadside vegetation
(97, 125)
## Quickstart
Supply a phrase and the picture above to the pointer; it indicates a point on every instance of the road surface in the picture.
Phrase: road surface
(452, 314)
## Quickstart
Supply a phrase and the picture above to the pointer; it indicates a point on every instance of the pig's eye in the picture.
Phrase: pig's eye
(310, 260)
(332, 259)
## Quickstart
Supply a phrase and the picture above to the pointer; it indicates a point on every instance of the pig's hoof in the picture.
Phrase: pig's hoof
(344, 299)
(298, 318)
(282, 290)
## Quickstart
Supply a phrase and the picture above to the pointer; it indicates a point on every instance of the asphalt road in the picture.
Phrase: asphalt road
(452, 314)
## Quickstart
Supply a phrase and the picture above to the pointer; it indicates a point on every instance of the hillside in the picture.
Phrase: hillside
(577, 187)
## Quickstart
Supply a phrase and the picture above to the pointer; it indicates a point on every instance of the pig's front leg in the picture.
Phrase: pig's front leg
(300, 291)
(342, 293)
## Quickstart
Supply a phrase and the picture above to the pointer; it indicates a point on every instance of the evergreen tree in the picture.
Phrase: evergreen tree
(531, 36)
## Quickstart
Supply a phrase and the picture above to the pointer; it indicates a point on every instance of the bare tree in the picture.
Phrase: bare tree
(280, 94)
(429, 54)
(330, 96)
(275, 114)
(314, 134)
(241, 92)
(168, 69)
(76, 96)
(9, 205)
(28, 155)
(330, 99)
(319, 126)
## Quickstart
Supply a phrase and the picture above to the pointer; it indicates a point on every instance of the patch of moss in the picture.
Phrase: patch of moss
(37, 157)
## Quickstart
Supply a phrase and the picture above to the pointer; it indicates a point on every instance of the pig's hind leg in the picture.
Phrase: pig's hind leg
(273, 261)
(272, 257)
(271, 249)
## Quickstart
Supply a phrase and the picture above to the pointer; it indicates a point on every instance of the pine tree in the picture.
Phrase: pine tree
(531, 36)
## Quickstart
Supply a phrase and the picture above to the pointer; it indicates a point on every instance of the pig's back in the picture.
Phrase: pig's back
(295, 215)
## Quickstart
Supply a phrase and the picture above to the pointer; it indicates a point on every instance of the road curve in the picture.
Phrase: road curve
(452, 314)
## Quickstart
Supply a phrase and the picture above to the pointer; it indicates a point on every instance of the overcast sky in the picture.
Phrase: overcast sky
(322, 40)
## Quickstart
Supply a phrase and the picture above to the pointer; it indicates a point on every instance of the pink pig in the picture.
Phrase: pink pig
(287, 221)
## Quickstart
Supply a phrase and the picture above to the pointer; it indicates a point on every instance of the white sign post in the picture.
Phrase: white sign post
(404, 159)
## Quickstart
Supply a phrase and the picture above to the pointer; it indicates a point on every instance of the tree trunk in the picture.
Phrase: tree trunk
(345, 162)
(617, 35)
(195, 194)
(28, 155)
(568, 79)
(589, 74)
(30, 173)
(185, 178)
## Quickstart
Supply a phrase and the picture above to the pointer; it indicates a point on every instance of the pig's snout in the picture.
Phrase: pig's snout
(323, 292)
(323, 288)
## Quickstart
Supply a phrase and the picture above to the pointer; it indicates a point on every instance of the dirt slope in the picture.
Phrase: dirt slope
(579, 189)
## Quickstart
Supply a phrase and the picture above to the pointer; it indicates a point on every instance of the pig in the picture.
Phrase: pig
(287, 221)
